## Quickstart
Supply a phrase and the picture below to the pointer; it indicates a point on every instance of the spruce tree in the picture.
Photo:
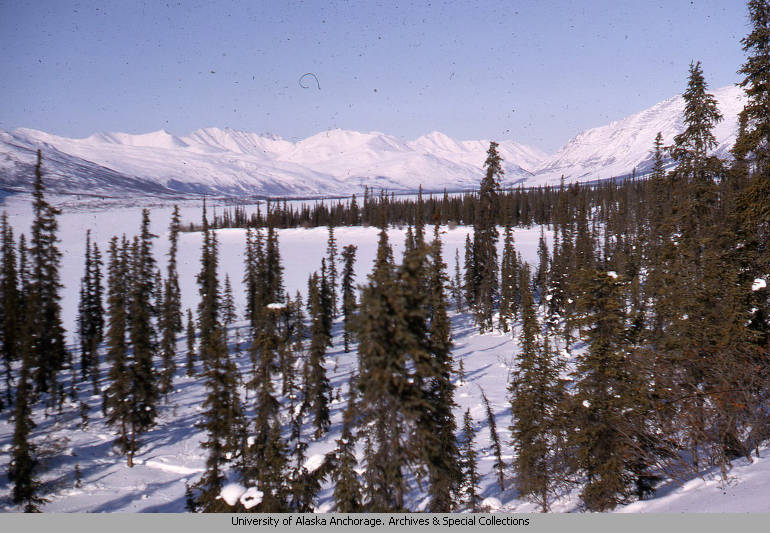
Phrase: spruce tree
(302, 484)
(190, 334)
(116, 396)
(753, 142)
(468, 465)
(171, 313)
(10, 306)
(144, 387)
(331, 268)
(381, 382)
(317, 384)
(494, 439)
(605, 397)
(457, 284)
(348, 293)
(535, 393)
(223, 418)
(96, 308)
(273, 268)
(228, 304)
(470, 277)
(293, 335)
(44, 310)
(253, 277)
(541, 276)
(91, 313)
(756, 84)
(696, 169)
(485, 287)
(347, 487)
(509, 286)
(659, 250)
(21, 470)
(325, 301)
(265, 458)
(700, 325)
(440, 444)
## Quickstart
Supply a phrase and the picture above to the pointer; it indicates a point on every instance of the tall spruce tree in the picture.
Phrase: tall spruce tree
(485, 289)
(755, 138)
(752, 147)
(10, 307)
(23, 463)
(228, 304)
(171, 312)
(347, 487)
(44, 310)
(115, 400)
(704, 339)
(494, 440)
(317, 384)
(254, 277)
(470, 278)
(469, 488)
(273, 268)
(438, 422)
(325, 301)
(509, 283)
(142, 334)
(381, 383)
(265, 458)
(348, 293)
(331, 268)
(190, 334)
(91, 313)
(223, 418)
(605, 397)
(535, 394)
(457, 284)
(541, 275)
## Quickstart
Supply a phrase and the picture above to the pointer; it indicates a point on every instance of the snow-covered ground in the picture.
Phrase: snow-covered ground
(171, 454)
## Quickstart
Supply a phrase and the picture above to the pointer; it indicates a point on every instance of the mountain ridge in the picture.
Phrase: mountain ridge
(225, 161)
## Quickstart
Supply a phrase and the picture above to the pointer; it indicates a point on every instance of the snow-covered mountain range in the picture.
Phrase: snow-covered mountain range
(230, 162)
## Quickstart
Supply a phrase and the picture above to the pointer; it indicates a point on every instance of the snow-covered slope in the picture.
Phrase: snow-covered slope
(616, 149)
(230, 162)
(65, 172)
(208, 161)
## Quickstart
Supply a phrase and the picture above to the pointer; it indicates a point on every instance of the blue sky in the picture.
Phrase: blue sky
(537, 72)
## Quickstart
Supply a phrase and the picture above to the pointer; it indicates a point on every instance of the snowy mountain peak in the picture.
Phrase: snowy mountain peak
(338, 143)
(240, 142)
(155, 139)
(436, 140)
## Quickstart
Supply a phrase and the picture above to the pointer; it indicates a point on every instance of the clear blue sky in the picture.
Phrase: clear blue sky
(534, 71)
